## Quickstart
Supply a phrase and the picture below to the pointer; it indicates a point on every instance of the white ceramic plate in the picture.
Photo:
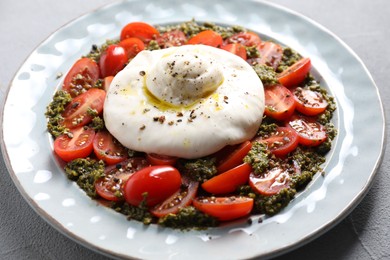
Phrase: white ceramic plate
(350, 167)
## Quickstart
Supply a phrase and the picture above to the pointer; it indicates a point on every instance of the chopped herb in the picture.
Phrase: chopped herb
(199, 169)
(266, 74)
(188, 217)
(53, 113)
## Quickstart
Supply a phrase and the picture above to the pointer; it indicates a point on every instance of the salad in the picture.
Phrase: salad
(258, 175)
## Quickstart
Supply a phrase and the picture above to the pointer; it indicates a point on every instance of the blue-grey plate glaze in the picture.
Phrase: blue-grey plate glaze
(350, 167)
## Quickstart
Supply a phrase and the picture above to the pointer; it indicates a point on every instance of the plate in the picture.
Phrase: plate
(350, 168)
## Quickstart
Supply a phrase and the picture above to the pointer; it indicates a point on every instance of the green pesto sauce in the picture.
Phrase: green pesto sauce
(200, 169)
(140, 213)
(289, 58)
(96, 51)
(266, 74)
(53, 113)
(188, 218)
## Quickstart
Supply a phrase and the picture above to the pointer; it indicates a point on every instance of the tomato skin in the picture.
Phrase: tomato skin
(282, 142)
(207, 37)
(110, 186)
(79, 146)
(270, 55)
(279, 102)
(132, 46)
(235, 48)
(247, 39)
(309, 102)
(76, 112)
(108, 149)
(228, 181)
(113, 60)
(159, 182)
(157, 159)
(143, 31)
(181, 198)
(273, 181)
(107, 82)
(295, 74)
(310, 132)
(89, 71)
(171, 39)
(224, 208)
(234, 158)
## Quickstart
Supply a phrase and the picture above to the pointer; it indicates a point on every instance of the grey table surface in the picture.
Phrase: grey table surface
(363, 25)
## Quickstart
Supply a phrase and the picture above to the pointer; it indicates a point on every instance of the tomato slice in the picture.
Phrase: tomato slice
(224, 208)
(228, 181)
(77, 112)
(309, 102)
(181, 198)
(281, 142)
(172, 38)
(156, 182)
(232, 156)
(274, 180)
(157, 159)
(143, 31)
(207, 37)
(310, 132)
(108, 149)
(235, 48)
(81, 77)
(112, 60)
(245, 38)
(296, 73)
(77, 144)
(270, 55)
(279, 102)
(132, 46)
(107, 82)
(110, 187)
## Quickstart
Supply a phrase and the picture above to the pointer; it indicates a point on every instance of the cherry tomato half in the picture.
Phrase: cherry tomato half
(181, 198)
(279, 102)
(156, 182)
(270, 54)
(172, 38)
(309, 102)
(207, 37)
(295, 74)
(224, 208)
(245, 38)
(274, 180)
(281, 142)
(77, 144)
(235, 48)
(232, 156)
(112, 60)
(143, 31)
(228, 181)
(310, 132)
(81, 77)
(132, 46)
(108, 149)
(107, 82)
(77, 113)
(157, 159)
(110, 187)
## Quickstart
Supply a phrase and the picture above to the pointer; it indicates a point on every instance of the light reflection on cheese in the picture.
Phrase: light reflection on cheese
(187, 101)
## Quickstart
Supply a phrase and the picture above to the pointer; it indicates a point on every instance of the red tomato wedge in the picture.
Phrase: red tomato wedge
(236, 48)
(171, 39)
(181, 198)
(132, 46)
(81, 77)
(309, 102)
(207, 37)
(245, 38)
(108, 149)
(157, 159)
(143, 31)
(281, 142)
(232, 156)
(110, 187)
(77, 113)
(107, 82)
(112, 60)
(228, 181)
(270, 54)
(310, 132)
(295, 74)
(156, 182)
(279, 102)
(78, 146)
(224, 208)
